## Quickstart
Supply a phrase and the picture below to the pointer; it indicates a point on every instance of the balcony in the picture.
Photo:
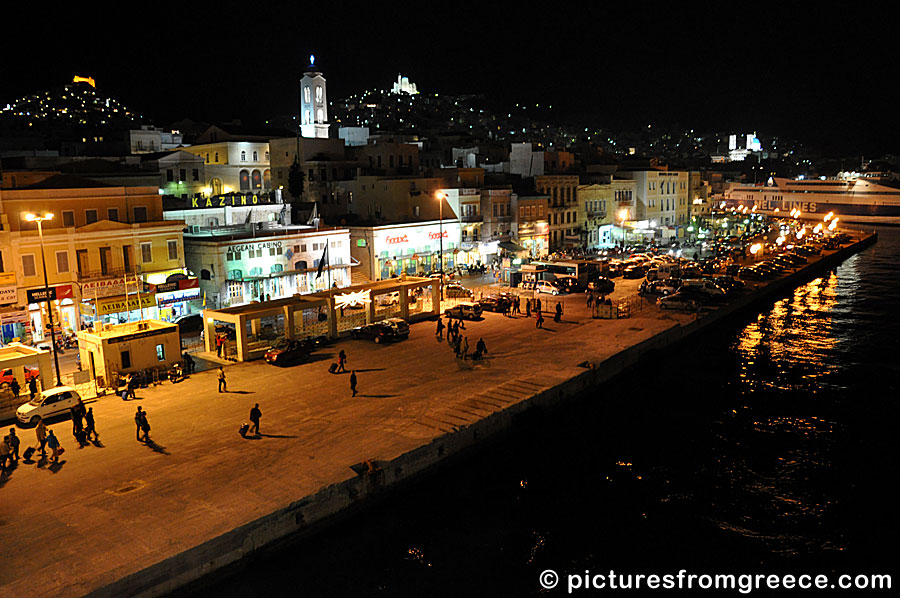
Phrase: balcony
(85, 275)
(470, 218)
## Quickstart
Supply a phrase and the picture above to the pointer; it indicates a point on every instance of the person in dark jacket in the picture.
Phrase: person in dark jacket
(255, 414)
(353, 382)
(90, 427)
(14, 387)
(32, 387)
(138, 419)
(342, 362)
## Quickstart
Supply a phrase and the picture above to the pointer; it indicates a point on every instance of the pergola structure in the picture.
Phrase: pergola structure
(326, 313)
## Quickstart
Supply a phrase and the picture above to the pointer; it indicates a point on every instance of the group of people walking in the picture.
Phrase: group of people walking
(9, 445)
(458, 342)
(83, 426)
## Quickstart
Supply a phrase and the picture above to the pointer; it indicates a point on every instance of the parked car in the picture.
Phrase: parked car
(664, 287)
(677, 301)
(703, 285)
(288, 352)
(729, 283)
(468, 310)
(386, 330)
(545, 286)
(569, 284)
(496, 303)
(615, 269)
(633, 271)
(50, 402)
(457, 291)
(6, 377)
(601, 285)
(190, 324)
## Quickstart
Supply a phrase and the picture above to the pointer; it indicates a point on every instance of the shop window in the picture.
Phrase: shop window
(235, 275)
(256, 271)
(160, 353)
(277, 268)
(301, 265)
(126, 360)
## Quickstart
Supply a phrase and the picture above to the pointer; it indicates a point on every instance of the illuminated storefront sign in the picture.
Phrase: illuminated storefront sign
(122, 304)
(233, 201)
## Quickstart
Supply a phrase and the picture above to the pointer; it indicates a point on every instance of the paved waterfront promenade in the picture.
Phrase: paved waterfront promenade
(108, 512)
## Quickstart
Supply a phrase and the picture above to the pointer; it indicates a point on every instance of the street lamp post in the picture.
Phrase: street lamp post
(39, 220)
(623, 215)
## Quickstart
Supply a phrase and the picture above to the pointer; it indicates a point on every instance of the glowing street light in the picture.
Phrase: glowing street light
(623, 216)
(39, 219)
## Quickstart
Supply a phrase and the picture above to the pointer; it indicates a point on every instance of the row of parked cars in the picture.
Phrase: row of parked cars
(690, 293)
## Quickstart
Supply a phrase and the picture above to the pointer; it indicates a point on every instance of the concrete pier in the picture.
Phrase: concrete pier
(131, 519)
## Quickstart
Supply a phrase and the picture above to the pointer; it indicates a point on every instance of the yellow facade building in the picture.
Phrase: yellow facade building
(103, 247)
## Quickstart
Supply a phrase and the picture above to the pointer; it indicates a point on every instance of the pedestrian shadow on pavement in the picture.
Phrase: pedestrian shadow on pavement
(98, 444)
(157, 448)
(55, 467)
(376, 396)
(261, 436)
(372, 370)
(240, 392)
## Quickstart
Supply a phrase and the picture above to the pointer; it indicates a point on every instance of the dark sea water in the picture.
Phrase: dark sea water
(768, 446)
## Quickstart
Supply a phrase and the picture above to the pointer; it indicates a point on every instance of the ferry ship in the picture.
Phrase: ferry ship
(855, 199)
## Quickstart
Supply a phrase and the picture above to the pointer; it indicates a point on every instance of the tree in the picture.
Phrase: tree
(296, 180)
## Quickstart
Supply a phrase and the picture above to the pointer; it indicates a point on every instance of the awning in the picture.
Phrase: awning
(510, 246)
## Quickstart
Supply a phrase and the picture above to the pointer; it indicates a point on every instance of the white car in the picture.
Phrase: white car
(50, 402)
(543, 286)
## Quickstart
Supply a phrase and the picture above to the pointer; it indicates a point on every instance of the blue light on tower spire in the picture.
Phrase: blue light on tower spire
(312, 60)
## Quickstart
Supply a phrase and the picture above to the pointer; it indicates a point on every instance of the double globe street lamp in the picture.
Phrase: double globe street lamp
(39, 220)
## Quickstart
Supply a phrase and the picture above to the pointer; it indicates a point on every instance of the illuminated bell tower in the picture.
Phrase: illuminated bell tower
(313, 103)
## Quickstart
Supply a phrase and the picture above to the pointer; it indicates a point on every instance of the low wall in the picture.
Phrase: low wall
(307, 514)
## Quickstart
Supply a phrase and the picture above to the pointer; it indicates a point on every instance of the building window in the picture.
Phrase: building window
(28, 265)
(306, 94)
(173, 249)
(160, 353)
(68, 218)
(232, 256)
(146, 253)
(90, 216)
(170, 176)
(195, 174)
(318, 93)
(181, 175)
(243, 156)
(140, 213)
(205, 275)
(255, 156)
(126, 360)
(112, 214)
(62, 261)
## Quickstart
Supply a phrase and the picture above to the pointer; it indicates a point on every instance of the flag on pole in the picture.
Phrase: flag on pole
(323, 263)
(204, 298)
(314, 216)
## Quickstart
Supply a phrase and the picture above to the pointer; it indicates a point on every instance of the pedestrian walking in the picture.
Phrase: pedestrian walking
(131, 384)
(464, 349)
(558, 316)
(255, 414)
(14, 387)
(77, 425)
(90, 427)
(138, 420)
(32, 387)
(440, 329)
(222, 385)
(55, 446)
(540, 320)
(342, 361)
(353, 382)
(219, 342)
(145, 426)
(5, 452)
(527, 307)
(480, 349)
(537, 304)
(189, 363)
(457, 344)
(13, 441)
(518, 305)
(590, 299)
(40, 432)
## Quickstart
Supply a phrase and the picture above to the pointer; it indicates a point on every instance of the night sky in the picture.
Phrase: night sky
(826, 78)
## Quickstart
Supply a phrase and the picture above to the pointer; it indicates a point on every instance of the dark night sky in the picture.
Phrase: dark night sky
(825, 78)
